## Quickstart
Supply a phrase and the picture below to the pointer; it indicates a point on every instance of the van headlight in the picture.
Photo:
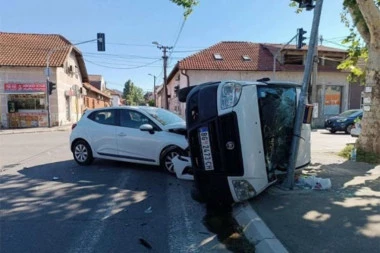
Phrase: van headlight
(243, 189)
(230, 95)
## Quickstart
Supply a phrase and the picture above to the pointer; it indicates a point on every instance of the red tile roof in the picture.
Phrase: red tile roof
(22, 49)
(232, 57)
(94, 89)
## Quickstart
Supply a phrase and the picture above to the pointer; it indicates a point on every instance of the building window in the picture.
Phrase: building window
(246, 58)
(28, 101)
(293, 59)
(218, 56)
(332, 99)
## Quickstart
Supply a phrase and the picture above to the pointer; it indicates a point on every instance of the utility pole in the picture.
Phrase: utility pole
(289, 180)
(165, 60)
(154, 88)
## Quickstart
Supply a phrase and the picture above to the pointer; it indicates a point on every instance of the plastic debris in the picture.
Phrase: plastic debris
(148, 210)
(55, 178)
(314, 183)
(145, 243)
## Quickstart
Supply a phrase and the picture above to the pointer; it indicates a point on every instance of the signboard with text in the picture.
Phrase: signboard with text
(24, 87)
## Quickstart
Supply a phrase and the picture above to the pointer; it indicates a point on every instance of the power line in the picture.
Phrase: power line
(110, 67)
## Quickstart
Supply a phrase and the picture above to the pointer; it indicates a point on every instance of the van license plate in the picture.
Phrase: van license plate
(206, 148)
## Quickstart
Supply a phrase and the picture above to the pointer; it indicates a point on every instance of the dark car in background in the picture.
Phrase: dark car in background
(344, 121)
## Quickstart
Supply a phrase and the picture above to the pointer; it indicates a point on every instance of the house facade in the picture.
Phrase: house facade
(23, 77)
(252, 61)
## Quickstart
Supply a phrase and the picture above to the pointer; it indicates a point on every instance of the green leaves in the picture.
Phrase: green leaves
(187, 5)
(133, 95)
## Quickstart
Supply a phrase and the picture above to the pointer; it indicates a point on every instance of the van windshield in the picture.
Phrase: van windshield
(277, 106)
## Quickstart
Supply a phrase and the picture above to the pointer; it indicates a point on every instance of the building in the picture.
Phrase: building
(23, 77)
(116, 97)
(95, 98)
(252, 61)
(97, 81)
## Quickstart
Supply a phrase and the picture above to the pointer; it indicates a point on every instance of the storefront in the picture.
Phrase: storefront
(26, 104)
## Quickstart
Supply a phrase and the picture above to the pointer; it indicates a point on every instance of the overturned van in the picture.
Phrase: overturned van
(240, 134)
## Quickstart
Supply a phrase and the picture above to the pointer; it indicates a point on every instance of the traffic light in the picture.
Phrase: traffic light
(101, 42)
(52, 86)
(300, 38)
(308, 4)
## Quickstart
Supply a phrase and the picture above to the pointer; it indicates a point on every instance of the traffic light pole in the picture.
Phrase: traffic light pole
(289, 180)
(101, 47)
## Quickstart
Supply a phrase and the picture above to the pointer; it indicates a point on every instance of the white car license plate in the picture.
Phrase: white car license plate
(206, 148)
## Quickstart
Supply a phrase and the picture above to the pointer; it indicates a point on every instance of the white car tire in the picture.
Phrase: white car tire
(166, 158)
(82, 153)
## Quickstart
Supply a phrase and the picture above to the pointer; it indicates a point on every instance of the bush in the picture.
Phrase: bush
(361, 155)
(346, 152)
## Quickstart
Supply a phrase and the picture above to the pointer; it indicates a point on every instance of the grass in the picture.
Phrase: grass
(361, 155)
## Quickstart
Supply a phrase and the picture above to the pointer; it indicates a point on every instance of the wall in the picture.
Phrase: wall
(19, 75)
(65, 81)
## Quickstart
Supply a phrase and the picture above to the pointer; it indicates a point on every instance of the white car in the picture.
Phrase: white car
(138, 134)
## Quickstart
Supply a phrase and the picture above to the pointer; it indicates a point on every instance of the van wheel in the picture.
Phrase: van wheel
(82, 153)
(167, 156)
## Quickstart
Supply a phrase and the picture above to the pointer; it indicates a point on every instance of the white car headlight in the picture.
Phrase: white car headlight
(230, 95)
(243, 190)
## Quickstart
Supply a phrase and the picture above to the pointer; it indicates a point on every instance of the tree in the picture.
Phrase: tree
(133, 95)
(366, 21)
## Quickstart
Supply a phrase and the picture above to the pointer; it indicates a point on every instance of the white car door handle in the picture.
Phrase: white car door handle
(122, 134)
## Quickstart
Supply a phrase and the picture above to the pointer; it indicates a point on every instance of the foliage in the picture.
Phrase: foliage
(187, 5)
(151, 102)
(346, 152)
(361, 155)
(133, 95)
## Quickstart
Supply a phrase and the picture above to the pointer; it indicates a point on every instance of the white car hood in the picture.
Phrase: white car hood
(179, 125)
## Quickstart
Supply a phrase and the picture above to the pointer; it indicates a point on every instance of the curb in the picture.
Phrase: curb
(33, 130)
(257, 231)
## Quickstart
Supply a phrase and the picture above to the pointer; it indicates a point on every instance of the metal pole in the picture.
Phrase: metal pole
(154, 90)
(165, 79)
(47, 84)
(289, 180)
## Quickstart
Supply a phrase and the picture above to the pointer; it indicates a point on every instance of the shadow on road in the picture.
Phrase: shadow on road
(343, 219)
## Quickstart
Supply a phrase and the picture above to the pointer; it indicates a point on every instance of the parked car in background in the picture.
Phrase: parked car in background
(357, 129)
(138, 134)
(344, 121)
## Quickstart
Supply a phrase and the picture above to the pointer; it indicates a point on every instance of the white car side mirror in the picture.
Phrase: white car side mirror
(147, 127)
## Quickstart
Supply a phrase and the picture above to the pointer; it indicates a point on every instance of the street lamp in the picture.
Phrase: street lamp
(165, 58)
(154, 88)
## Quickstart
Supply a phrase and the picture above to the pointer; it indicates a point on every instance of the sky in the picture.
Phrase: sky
(130, 27)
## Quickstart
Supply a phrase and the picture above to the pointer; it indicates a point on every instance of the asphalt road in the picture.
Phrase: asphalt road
(50, 204)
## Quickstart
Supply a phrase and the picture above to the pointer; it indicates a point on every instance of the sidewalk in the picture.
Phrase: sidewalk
(345, 218)
(35, 130)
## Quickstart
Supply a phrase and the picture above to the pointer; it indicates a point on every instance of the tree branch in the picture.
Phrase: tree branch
(371, 15)
(360, 25)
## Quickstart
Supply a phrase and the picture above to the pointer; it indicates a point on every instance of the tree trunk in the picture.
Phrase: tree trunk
(369, 140)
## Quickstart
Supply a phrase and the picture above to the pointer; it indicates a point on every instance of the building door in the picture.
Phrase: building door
(68, 111)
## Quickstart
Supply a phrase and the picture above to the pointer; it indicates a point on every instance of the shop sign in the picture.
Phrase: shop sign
(24, 87)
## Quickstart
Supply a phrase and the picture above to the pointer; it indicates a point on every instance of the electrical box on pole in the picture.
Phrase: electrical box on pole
(300, 38)
(101, 39)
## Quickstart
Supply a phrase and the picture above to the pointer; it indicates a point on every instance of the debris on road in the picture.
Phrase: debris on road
(314, 183)
(55, 178)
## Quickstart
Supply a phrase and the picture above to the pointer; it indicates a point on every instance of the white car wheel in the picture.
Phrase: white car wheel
(82, 153)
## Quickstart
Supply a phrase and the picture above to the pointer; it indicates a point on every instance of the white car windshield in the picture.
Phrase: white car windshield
(165, 117)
